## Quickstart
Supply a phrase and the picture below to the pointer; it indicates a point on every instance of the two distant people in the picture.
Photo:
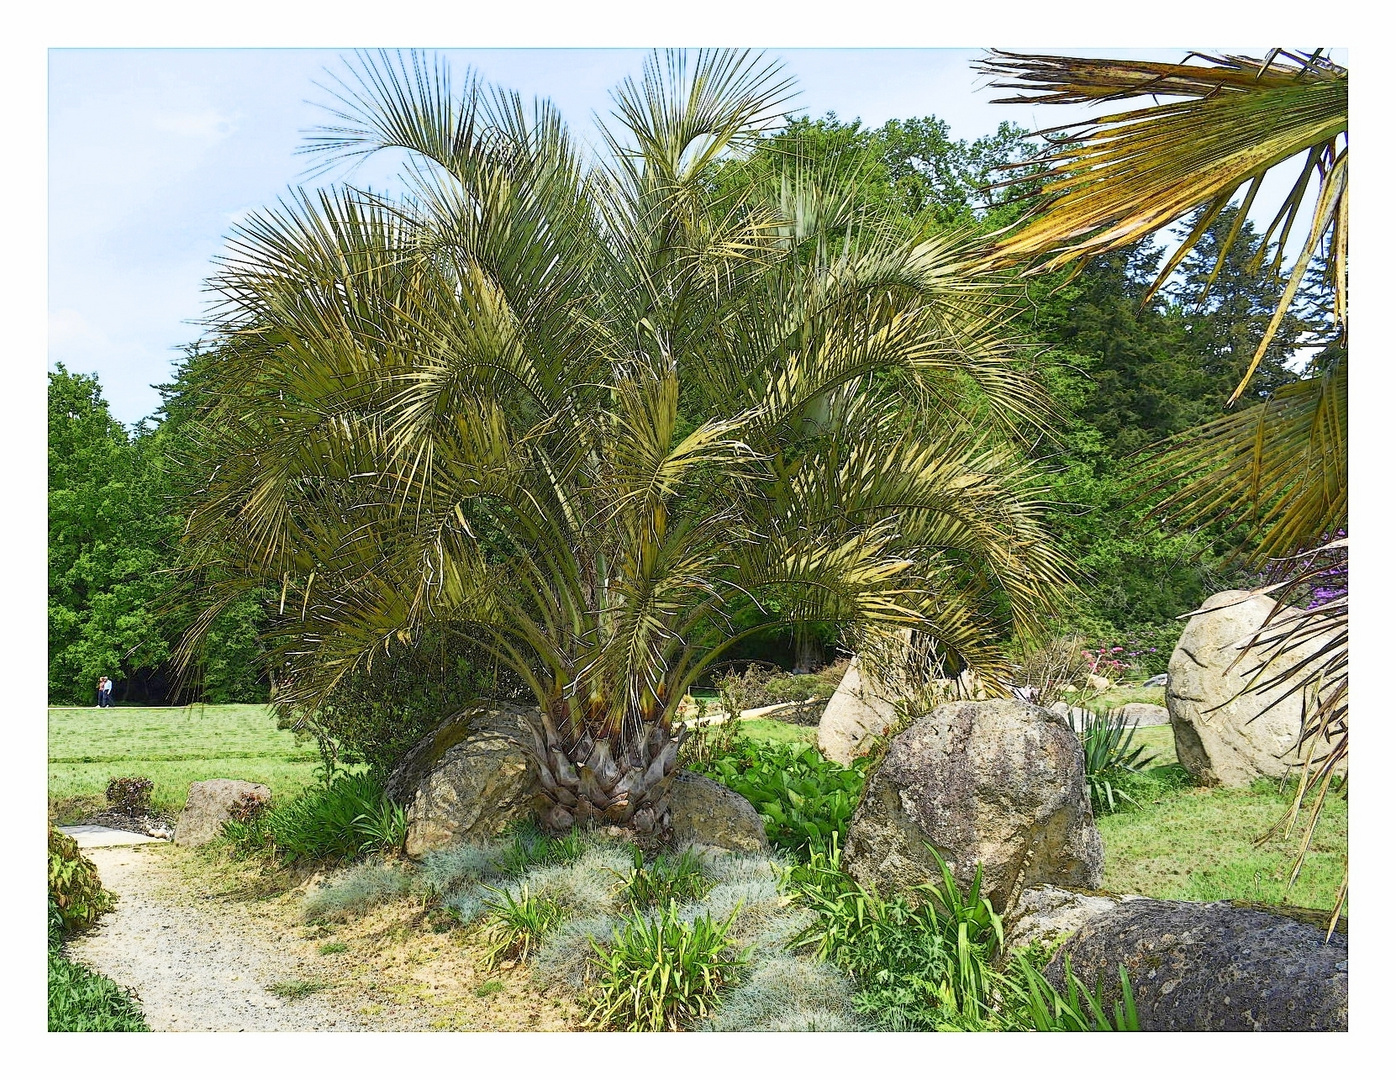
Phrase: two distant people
(104, 688)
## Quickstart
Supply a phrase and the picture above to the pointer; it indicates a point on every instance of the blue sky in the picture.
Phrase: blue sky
(154, 153)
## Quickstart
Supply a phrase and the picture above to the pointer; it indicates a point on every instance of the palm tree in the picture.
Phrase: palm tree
(1281, 465)
(606, 418)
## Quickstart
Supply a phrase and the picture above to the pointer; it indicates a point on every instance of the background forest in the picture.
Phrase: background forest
(1125, 376)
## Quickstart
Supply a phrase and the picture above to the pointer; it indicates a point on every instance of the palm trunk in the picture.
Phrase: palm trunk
(595, 781)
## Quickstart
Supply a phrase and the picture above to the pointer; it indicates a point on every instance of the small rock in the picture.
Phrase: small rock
(210, 804)
(704, 812)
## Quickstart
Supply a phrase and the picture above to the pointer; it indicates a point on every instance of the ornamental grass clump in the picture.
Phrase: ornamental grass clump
(1110, 756)
(516, 923)
(784, 992)
(659, 973)
(356, 891)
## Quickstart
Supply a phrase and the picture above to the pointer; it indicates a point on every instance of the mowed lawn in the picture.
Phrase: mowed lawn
(1197, 843)
(172, 747)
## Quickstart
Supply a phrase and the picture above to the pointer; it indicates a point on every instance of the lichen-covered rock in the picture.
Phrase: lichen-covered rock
(1223, 738)
(468, 781)
(854, 717)
(997, 783)
(1049, 914)
(1213, 967)
(210, 804)
(704, 812)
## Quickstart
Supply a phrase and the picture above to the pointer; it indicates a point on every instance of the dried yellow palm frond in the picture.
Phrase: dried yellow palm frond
(1211, 130)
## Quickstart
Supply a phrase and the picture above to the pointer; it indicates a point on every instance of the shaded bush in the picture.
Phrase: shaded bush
(129, 794)
(74, 889)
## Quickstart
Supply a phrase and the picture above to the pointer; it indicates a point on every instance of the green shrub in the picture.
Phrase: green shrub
(803, 798)
(342, 819)
(927, 962)
(663, 879)
(660, 973)
(921, 963)
(79, 999)
(1110, 755)
(74, 888)
(129, 794)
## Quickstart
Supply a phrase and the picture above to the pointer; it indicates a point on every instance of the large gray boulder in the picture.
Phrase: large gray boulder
(704, 812)
(854, 717)
(468, 781)
(1223, 738)
(1212, 967)
(211, 803)
(997, 783)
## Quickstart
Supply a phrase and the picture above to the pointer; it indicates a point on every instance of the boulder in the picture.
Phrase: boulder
(1223, 738)
(997, 783)
(1212, 967)
(1049, 914)
(704, 812)
(1157, 680)
(1075, 716)
(854, 717)
(1143, 714)
(210, 804)
(467, 781)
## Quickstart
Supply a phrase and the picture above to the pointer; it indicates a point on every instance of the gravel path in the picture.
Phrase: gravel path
(202, 966)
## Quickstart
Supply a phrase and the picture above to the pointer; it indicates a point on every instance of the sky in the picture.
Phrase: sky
(154, 154)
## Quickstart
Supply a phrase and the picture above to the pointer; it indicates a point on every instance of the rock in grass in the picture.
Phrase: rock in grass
(998, 783)
(1222, 735)
(468, 781)
(1048, 914)
(854, 717)
(704, 812)
(1213, 967)
(210, 804)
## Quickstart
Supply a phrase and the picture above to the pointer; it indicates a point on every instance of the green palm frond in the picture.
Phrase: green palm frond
(1212, 130)
(1279, 469)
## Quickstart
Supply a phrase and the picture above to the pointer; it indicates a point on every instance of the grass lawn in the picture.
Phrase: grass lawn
(1196, 843)
(777, 731)
(173, 747)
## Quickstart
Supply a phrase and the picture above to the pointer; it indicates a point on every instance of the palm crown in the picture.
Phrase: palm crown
(606, 418)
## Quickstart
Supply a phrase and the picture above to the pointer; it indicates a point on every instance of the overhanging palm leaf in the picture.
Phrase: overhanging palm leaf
(1223, 126)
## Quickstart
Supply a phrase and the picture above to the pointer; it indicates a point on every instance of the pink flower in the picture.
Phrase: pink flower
(1118, 648)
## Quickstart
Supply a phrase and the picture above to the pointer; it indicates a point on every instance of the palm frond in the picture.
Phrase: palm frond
(1212, 130)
